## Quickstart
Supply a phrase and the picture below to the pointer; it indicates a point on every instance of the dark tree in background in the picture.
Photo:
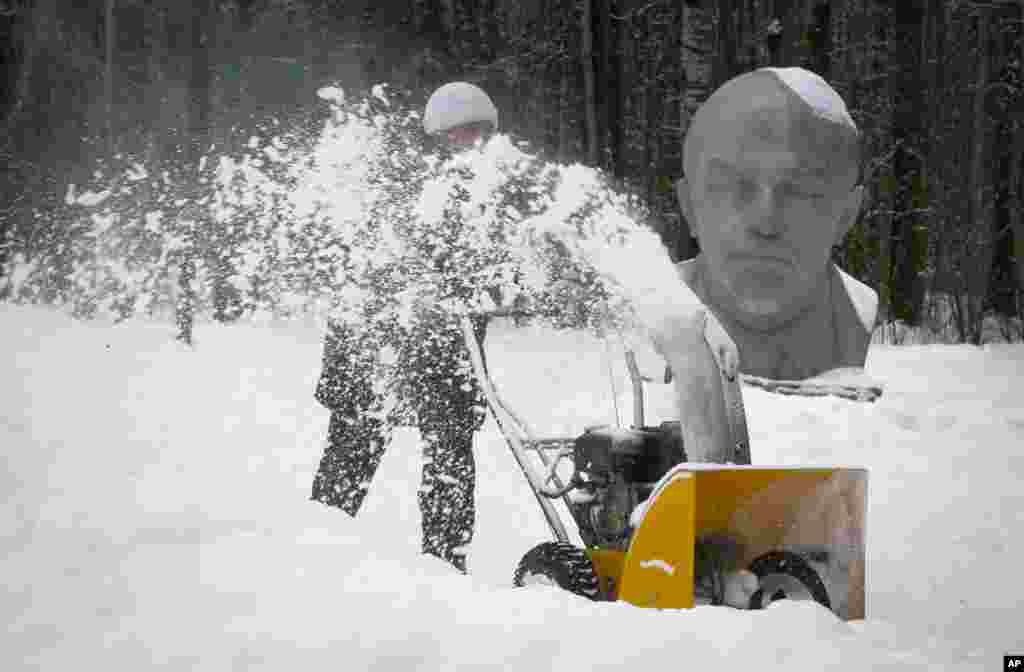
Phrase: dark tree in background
(934, 84)
(902, 285)
(196, 142)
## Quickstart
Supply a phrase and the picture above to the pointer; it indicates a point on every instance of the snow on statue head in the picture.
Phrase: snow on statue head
(771, 169)
(791, 108)
(461, 112)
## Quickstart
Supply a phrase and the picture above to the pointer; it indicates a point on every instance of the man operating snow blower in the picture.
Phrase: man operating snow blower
(431, 372)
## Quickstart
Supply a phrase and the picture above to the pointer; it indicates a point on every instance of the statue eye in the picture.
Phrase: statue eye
(805, 193)
(745, 188)
(719, 182)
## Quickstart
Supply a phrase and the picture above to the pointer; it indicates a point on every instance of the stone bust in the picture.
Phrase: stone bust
(771, 184)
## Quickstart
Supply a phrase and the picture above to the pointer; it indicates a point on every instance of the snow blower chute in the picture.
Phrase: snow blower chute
(658, 531)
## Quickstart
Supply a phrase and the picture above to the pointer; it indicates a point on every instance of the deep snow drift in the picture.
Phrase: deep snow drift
(157, 516)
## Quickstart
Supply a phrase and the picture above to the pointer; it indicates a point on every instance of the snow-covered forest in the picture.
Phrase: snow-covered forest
(95, 90)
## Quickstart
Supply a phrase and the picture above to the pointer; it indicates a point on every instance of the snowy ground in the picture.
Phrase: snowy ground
(156, 516)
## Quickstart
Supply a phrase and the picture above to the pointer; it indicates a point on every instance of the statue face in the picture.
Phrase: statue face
(767, 200)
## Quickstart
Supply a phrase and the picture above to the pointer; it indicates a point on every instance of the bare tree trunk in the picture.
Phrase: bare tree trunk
(653, 95)
(37, 25)
(589, 85)
(1017, 178)
(110, 38)
(697, 55)
(821, 51)
(650, 100)
(931, 55)
(960, 319)
(1017, 202)
(979, 223)
(907, 20)
(156, 46)
(196, 143)
(727, 43)
(607, 95)
(698, 60)
(223, 34)
(563, 115)
(615, 30)
(448, 16)
(885, 185)
(885, 221)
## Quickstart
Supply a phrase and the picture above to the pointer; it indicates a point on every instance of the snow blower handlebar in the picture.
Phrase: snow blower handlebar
(516, 433)
(559, 490)
(520, 438)
(638, 388)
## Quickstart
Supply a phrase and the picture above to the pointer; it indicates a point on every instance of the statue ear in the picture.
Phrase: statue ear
(848, 216)
(685, 197)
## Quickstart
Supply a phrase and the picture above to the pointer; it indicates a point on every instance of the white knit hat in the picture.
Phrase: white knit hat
(458, 103)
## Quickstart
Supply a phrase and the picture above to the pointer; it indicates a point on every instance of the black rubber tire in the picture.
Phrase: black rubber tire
(566, 565)
(790, 564)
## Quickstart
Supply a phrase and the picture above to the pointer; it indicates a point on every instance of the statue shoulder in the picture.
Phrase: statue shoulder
(863, 298)
(688, 272)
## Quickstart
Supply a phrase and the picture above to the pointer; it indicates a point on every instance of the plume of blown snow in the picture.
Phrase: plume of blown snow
(598, 225)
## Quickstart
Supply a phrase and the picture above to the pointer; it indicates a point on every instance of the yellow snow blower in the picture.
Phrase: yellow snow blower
(658, 531)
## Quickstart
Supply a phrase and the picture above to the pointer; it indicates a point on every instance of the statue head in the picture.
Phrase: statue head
(771, 166)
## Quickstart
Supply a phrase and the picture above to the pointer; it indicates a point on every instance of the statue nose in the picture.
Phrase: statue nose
(765, 215)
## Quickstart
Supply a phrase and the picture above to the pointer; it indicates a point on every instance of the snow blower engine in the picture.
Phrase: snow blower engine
(615, 469)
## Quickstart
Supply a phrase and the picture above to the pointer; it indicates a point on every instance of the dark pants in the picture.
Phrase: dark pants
(437, 391)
